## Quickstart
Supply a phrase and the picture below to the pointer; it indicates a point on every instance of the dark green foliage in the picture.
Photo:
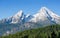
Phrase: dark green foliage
(59, 35)
(53, 35)
(52, 31)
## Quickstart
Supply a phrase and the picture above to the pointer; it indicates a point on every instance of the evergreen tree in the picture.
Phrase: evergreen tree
(53, 35)
(59, 35)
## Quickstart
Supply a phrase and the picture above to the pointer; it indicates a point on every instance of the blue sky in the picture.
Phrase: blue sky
(10, 7)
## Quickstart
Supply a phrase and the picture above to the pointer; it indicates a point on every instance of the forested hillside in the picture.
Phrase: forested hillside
(52, 31)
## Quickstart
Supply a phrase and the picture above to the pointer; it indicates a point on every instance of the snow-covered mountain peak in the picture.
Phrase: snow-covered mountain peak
(45, 14)
(42, 15)
(44, 8)
(42, 12)
(18, 14)
(26, 21)
(46, 11)
(18, 17)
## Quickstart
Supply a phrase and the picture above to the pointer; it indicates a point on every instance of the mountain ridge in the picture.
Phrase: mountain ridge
(40, 15)
(21, 22)
(45, 13)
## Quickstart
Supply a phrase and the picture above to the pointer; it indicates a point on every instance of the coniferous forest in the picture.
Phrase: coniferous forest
(52, 31)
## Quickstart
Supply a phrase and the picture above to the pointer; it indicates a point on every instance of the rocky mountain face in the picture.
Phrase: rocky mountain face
(46, 16)
(43, 15)
(20, 21)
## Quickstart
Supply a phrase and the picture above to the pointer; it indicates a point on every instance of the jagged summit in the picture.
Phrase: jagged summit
(18, 14)
(23, 22)
(45, 15)
(42, 15)
(18, 17)
(45, 8)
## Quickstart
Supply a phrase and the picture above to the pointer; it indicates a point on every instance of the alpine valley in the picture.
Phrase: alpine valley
(21, 22)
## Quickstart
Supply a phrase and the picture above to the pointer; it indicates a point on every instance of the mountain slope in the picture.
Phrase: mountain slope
(15, 18)
(18, 17)
(44, 32)
(21, 22)
(45, 16)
